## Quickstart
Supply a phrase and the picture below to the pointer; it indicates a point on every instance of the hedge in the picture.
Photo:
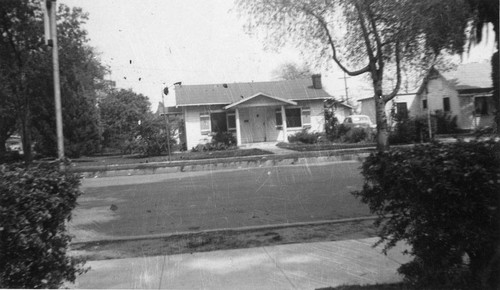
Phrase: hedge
(443, 200)
(35, 203)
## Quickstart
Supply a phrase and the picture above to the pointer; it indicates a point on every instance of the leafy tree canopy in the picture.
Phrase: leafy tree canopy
(291, 71)
(375, 37)
(26, 68)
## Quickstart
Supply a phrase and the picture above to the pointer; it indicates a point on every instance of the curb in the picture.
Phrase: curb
(240, 229)
(223, 163)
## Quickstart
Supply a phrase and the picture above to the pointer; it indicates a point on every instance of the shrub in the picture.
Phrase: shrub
(409, 130)
(445, 122)
(356, 135)
(226, 138)
(220, 141)
(443, 200)
(304, 137)
(35, 204)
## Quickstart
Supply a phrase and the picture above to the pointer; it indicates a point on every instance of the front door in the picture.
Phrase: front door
(258, 119)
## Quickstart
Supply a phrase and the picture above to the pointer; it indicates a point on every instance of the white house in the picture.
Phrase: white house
(254, 111)
(465, 92)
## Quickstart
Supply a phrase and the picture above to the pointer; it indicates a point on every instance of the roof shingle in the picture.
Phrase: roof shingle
(225, 94)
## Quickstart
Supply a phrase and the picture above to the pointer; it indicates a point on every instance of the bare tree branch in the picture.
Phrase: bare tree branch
(398, 75)
(324, 25)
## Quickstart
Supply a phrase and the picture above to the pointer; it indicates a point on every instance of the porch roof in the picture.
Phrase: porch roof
(259, 94)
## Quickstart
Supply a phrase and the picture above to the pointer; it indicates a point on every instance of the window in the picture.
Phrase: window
(218, 122)
(231, 121)
(293, 118)
(402, 110)
(481, 105)
(424, 104)
(279, 119)
(446, 104)
(205, 123)
(306, 116)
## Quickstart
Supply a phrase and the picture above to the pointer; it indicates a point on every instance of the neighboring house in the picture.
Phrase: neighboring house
(465, 92)
(404, 103)
(254, 111)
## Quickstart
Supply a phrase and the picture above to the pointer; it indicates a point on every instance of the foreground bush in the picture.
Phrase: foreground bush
(35, 204)
(443, 200)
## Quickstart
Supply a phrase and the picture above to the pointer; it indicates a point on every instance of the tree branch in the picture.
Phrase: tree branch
(394, 92)
(324, 25)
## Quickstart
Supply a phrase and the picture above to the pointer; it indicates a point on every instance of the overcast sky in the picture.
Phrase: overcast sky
(149, 43)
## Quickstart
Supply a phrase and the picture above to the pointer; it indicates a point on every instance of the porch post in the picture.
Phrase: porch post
(238, 130)
(283, 122)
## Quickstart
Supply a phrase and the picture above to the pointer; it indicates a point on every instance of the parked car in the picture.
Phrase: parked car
(359, 121)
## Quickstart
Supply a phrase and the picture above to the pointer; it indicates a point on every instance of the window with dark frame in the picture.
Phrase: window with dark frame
(279, 119)
(446, 104)
(481, 105)
(402, 109)
(424, 104)
(218, 122)
(293, 118)
(231, 121)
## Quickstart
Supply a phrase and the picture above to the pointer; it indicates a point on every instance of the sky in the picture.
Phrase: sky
(150, 44)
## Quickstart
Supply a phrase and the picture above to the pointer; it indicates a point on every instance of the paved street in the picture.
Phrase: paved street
(191, 201)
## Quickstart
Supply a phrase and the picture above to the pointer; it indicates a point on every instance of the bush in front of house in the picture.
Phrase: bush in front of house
(35, 203)
(355, 135)
(445, 122)
(220, 141)
(443, 200)
(409, 130)
(305, 137)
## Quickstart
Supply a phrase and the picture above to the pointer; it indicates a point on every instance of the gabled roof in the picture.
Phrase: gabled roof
(258, 95)
(225, 94)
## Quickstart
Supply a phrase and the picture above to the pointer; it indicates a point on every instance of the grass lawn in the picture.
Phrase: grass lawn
(176, 156)
(322, 146)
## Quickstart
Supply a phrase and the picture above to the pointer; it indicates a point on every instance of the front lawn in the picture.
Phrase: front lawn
(323, 146)
(176, 156)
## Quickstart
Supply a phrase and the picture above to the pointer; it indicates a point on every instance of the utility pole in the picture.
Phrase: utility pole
(165, 117)
(345, 86)
(50, 8)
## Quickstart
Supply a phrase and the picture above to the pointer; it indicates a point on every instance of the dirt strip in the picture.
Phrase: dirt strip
(223, 240)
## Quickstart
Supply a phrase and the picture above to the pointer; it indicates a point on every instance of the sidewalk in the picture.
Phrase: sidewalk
(292, 266)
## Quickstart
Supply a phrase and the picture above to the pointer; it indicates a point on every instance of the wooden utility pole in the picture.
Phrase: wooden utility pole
(50, 9)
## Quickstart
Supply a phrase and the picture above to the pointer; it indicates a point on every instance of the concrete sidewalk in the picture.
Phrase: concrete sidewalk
(292, 266)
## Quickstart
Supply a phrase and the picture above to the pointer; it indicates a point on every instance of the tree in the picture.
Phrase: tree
(120, 113)
(484, 12)
(26, 69)
(378, 37)
(291, 71)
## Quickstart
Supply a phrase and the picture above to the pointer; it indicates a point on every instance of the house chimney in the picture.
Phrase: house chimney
(316, 79)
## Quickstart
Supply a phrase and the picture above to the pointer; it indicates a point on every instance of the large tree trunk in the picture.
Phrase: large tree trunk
(380, 116)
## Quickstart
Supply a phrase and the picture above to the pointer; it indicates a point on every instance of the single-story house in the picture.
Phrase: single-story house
(254, 111)
(404, 103)
(465, 92)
